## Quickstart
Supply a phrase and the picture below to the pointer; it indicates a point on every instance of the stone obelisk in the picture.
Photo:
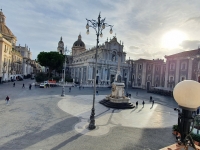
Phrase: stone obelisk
(117, 98)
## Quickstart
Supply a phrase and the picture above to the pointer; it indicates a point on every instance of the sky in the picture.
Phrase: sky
(149, 29)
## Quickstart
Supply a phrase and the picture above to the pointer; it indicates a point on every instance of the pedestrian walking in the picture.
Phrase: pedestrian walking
(7, 100)
(23, 86)
(150, 98)
(152, 103)
(126, 94)
(14, 84)
(79, 87)
(30, 87)
(97, 92)
(136, 104)
(69, 89)
(136, 93)
(143, 103)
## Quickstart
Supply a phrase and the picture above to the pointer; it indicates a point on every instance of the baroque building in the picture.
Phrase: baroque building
(182, 66)
(82, 62)
(7, 44)
(165, 75)
(27, 59)
(148, 73)
(14, 60)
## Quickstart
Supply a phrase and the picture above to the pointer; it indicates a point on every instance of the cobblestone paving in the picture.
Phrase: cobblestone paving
(33, 121)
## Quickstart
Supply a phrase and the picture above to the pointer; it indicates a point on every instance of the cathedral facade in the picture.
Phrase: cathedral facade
(141, 73)
(82, 62)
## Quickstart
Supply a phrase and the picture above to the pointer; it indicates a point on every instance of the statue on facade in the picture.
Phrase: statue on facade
(119, 78)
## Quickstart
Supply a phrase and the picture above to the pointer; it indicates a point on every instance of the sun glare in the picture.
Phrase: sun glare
(173, 39)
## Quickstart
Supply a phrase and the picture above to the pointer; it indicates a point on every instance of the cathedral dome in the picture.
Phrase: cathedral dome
(4, 30)
(79, 42)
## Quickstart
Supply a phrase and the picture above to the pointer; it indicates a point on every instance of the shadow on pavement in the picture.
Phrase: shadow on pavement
(36, 136)
(67, 141)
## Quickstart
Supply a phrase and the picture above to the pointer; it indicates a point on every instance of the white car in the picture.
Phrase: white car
(42, 85)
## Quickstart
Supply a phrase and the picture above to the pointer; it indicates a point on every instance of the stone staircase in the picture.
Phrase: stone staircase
(110, 104)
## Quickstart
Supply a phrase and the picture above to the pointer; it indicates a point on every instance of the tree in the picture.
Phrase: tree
(52, 60)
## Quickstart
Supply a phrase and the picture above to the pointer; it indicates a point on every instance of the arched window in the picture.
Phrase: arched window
(149, 77)
(157, 68)
(140, 66)
(149, 67)
(172, 66)
(133, 77)
(183, 66)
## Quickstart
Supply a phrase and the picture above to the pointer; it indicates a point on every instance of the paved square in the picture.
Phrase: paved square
(40, 119)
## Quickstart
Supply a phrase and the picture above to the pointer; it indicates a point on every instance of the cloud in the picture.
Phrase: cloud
(189, 45)
(134, 47)
(197, 19)
(40, 24)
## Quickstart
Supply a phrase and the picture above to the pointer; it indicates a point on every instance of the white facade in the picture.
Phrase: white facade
(27, 56)
(83, 63)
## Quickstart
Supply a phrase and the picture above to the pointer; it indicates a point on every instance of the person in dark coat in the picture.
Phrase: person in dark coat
(150, 98)
(136, 104)
(97, 93)
(152, 103)
(143, 103)
(7, 100)
(69, 89)
(23, 86)
(30, 87)
(14, 84)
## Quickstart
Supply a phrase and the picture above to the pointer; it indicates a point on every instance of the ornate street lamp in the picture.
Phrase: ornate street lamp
(187, 95)
(63, 88)
(98, 26)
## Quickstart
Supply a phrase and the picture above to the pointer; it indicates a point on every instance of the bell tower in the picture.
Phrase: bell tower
(60, 48)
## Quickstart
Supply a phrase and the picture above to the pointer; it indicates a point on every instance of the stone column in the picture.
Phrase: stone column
(87, 73)
(136, 74)
(190, 69)
(24, 70)
(109, 76)
(177, 76)
(82, 79)
(144, 75)
(166, 73)
(153, 74)
(74, 73)
(161, 74)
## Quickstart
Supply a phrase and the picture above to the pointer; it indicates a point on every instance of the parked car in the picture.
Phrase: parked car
(42, 85)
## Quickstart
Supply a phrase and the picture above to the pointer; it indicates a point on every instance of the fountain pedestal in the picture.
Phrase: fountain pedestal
(117, 98)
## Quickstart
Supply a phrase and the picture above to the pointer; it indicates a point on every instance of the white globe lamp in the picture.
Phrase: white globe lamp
(187, 94)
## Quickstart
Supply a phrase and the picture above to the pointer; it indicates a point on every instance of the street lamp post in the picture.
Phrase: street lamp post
(63, 88)
(186, 94)
(98, 26)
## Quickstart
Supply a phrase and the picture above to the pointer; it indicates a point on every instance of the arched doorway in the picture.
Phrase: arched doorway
(148, 86)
